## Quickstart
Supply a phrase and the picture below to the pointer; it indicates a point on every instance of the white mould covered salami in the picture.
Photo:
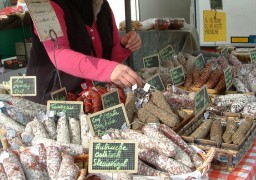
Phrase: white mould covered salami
(30, 166)
(12, 166)
(9, 122)
(68, 169)
(63, 135)
(38, 128)
(50, 127)
(53, 161)
(75, 131)
(86, 135)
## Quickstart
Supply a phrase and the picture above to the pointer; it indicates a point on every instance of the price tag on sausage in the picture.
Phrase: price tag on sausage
(200, 62)
(110, 99)
(23, 85)
(111, 118)
(167, 53)
(228, 77)
(70, 108)
(113, 156)
(224, 52)
(202, 100)
(151, 61)
(177, 75)
(156, 82)
(253, 55)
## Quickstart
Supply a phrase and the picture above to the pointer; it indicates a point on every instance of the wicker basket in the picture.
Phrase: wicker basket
(227, 155)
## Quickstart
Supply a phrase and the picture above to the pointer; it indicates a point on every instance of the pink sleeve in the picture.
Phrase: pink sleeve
(119, 54)
(74, 63)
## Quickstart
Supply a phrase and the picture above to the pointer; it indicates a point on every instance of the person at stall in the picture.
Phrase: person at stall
(90, 49)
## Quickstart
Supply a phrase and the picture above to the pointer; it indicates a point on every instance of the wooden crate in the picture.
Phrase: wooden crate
(227, 155)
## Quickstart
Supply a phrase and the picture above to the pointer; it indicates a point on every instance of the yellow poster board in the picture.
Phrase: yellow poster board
(214, 26)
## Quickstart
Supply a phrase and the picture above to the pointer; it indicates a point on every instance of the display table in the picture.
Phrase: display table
(185, 40)
(245, 170)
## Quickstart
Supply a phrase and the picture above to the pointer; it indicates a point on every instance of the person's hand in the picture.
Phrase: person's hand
(131, 41)
(124, 76)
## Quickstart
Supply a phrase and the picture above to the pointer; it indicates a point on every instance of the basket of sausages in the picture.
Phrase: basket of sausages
(230, 133)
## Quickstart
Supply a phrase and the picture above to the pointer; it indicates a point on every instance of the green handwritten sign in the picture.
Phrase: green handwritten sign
(70, 108)
(253, 55)
(156, 82)
(177, 75)
(59, 95)
(111, 118)
(202, 100)
(151, 61)
(224, 52)
(200, 62)
(113, 156)
(228, 77)
(216, 4)
(167, 53)
(110, 99)
(23, 85)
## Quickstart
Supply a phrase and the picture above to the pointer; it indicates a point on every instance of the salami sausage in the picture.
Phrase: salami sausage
(169, 133)
(30, 166)
(12, 166)
(53, 156)
(145, 170)
(51, 128)
(75, 131)
(180, 155)
(86, 135)
(38, 128)
(9, 122)
(149, 143)
(63, 135)
(68, 169)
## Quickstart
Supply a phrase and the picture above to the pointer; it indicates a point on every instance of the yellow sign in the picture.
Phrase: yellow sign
(214, 26)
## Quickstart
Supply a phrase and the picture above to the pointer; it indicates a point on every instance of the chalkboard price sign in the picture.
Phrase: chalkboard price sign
(59, 95)
(23, 85)
(111, 118)
(177, 75)
(113, 156)
(216, 4)
(200, 63)
(202, 100)
(167, 53)
(224, 52)
(156, 82)
(70, 108)
(151, 61)
(228, 77)
(110, 99)
(253, 55)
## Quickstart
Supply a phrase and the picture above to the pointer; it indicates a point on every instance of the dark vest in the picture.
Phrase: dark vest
(40, 65)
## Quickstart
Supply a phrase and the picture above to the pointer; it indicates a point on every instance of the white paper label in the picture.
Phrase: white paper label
(146, 87)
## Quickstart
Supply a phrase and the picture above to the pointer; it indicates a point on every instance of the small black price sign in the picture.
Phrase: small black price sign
(167, 53)
(216, 4)
(70, 108)
(177, 75)
(202, 100)
(23, 85)
(253, 55)
(228, 77)
(151, 61)
(110, 99)
(156, 82)
(59, 95)
(200, 62)
(113, 156)
(224, 52)
(111, 118)
(97, 83)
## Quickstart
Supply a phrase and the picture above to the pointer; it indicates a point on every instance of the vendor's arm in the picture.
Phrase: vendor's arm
(74, 63)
